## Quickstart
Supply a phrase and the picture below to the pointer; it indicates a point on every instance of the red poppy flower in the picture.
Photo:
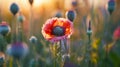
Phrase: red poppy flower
(116, 34)
(56, 29)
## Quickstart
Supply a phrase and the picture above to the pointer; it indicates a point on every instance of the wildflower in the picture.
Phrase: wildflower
(56, 29)
(108, 47)
(116, 34)
(94, 57)
(95, 44)
(17, 50)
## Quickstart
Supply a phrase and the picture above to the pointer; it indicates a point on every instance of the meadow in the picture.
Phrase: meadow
(59, 33)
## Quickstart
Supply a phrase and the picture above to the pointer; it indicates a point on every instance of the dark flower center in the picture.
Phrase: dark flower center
(58, 31)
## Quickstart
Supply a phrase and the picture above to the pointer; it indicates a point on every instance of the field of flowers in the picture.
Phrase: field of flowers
(59, 33)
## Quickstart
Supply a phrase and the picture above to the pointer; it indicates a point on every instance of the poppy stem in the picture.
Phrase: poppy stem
(13, 31)
(64, 48)
(88, 50)
(19, 31)
(0, 14)
(18, 63)
(11, 62)
(31, 22)
(55, 54)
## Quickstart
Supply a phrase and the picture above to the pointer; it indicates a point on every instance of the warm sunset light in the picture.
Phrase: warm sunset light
(39, 2)
(97, 3)
(59, 33)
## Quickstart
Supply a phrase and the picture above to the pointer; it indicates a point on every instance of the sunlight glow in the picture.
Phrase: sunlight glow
(38, 2)
(97, 3)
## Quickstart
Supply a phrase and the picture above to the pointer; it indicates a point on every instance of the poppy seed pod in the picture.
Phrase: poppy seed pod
(4, 28)
(89, 31)
(2, 57)
(20, 18)
(31, 2)
(17, 50)
(14, 8)
(70, 15)
(33, 39)
(111, 6)
(74, 3)
(58, 14)
(66, 57)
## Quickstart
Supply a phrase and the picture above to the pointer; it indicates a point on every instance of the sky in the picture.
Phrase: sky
(23, 5)
(38, 4)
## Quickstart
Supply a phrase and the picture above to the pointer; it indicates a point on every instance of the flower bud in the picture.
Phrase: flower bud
(14, 8)
(33, 39)
(20, 18)
(74, 3)
(111, 6)
(31, 2)
(4, 28)
(89, 30)
(58, 14)
(70, 15)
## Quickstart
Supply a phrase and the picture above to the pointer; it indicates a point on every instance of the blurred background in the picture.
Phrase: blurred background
(104, 49)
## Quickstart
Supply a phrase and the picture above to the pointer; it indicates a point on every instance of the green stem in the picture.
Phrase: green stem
(10, 62)
(61, 53)
(89, 47)
(64, 50)
(55, 46)
(31, 22)
(13, 30)
(88, 50)
(18, 63)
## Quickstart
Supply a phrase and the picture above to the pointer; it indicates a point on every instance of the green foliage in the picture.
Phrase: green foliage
(3, 43)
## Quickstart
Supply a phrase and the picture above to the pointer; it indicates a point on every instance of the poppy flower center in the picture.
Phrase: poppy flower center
(58, 31)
